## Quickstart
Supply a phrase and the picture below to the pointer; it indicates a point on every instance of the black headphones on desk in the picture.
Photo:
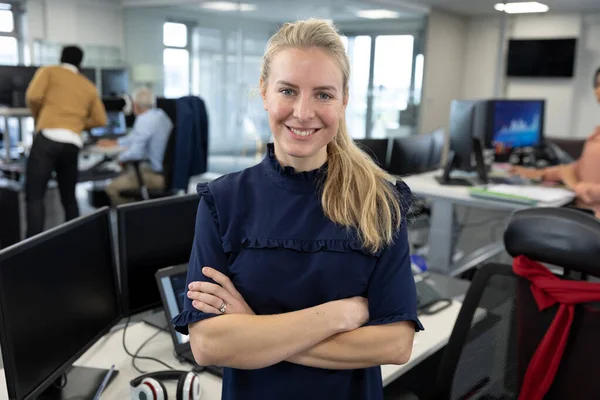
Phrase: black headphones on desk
(149, 387)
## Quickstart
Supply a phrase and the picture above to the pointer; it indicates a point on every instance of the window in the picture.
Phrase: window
(176, 60)
(174, 35)
(177, 72)
(9, 45)
(7, 23)
(9, 52)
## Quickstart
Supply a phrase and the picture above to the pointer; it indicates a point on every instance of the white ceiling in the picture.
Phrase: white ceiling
(478, 7)
(281, 10)
(343, 10)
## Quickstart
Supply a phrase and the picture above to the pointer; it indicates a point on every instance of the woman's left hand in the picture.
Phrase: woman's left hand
(210, 298)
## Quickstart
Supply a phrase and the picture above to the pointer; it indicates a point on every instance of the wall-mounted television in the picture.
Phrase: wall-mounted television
(541, 58)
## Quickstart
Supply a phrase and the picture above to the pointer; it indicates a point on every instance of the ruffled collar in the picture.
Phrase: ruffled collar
(288, 178)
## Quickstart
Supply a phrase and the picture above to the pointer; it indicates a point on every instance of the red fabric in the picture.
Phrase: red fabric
(548, 290)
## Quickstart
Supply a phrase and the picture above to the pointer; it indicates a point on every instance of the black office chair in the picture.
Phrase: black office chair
(499, 326)
(143, 193)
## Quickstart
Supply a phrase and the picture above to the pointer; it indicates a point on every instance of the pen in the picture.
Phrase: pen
(104, 382)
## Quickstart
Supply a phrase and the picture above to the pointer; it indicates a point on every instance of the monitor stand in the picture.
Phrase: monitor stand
(157, 319)
(81, 383)
(445, 179)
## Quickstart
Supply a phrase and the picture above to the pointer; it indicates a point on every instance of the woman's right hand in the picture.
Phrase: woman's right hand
(354, 312)
(527, 173)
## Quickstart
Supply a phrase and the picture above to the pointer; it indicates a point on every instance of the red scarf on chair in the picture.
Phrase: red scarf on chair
(548, 290)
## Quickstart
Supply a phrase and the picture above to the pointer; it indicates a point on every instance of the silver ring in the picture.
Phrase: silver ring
(223, 308)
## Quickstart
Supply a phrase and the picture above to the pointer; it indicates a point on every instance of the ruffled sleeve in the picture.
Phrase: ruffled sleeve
(207, 250)
(392, 293)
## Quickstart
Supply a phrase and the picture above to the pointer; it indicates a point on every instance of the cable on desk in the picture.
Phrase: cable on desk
(140, 349)
(140, 357)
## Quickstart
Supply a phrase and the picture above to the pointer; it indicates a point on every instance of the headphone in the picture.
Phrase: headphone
(149, 387)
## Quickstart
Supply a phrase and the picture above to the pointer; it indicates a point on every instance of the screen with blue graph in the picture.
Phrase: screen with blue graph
(517, 124)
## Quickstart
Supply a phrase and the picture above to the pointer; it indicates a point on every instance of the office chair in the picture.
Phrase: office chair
(500, 325)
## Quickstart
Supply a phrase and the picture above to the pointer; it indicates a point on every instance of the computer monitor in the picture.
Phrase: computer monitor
(14, 81)
(410, 154)
(58, 296)
(115, 127)
(467, 123)
(115, 81)
(515, 124)
(377, 149)
(89, 73)
(153, 234)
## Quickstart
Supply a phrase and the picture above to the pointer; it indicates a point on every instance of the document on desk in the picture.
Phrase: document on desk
(526, 194)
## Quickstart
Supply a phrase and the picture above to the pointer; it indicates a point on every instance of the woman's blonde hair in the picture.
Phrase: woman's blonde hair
(356, 192)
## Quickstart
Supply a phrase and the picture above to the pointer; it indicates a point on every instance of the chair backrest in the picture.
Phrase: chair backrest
(564, 237)
(377, 149)
(500, 325)
(170, 108)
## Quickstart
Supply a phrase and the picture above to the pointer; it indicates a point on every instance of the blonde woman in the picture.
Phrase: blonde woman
(304, 258)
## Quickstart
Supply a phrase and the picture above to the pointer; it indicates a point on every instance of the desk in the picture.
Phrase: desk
(8, 112)
(443, 199)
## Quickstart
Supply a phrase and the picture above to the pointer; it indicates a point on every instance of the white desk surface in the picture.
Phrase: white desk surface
(109, 151)
(436, 334)
(14, 112)
(427, 186)
(109, 350)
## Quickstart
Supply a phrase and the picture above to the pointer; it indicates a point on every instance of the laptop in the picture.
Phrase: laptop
(173, 288)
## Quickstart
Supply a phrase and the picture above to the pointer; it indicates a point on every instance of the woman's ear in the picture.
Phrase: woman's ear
(263, 93)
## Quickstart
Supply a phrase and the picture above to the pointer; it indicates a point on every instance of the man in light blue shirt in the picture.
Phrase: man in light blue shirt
(147, 141)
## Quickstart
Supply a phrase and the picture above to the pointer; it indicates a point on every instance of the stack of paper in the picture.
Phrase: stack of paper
(527, 194)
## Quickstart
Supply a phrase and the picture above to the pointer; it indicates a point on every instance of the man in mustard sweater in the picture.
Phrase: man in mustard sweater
(63, 103)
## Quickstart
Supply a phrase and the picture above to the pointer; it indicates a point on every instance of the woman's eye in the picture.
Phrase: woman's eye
(287, 92)
(324, 96)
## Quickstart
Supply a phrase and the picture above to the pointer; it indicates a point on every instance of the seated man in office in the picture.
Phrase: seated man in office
(147, 141)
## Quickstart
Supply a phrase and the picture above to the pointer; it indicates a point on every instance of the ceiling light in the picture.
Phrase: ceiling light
(377, 14)
(521, 8)
(228, 6)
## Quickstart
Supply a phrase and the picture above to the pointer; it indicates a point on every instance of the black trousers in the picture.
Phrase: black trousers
(45, 157)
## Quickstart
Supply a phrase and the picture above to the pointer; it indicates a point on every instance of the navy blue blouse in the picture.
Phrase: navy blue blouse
(265, 229)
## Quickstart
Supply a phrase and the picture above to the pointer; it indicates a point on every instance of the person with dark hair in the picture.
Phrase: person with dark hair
(63, 103)
(72, 55)
(582, 175)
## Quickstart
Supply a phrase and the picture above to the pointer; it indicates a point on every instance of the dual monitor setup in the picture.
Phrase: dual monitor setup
(62, 290)
(14, 81)
(503, 126)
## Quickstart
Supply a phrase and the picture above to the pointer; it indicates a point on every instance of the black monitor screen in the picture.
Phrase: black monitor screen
(517, 124)
(377, 149)
(541, 58)
(411, 154)
(89, 73)
(58, 296)
(116, 125)
(115, 82)
(152, 235)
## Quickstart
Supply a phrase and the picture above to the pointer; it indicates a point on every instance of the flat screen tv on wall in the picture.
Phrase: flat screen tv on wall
(541, 58)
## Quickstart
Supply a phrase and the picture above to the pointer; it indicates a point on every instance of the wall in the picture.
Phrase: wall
(445, 51)
(84, 22)
(571, 110)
